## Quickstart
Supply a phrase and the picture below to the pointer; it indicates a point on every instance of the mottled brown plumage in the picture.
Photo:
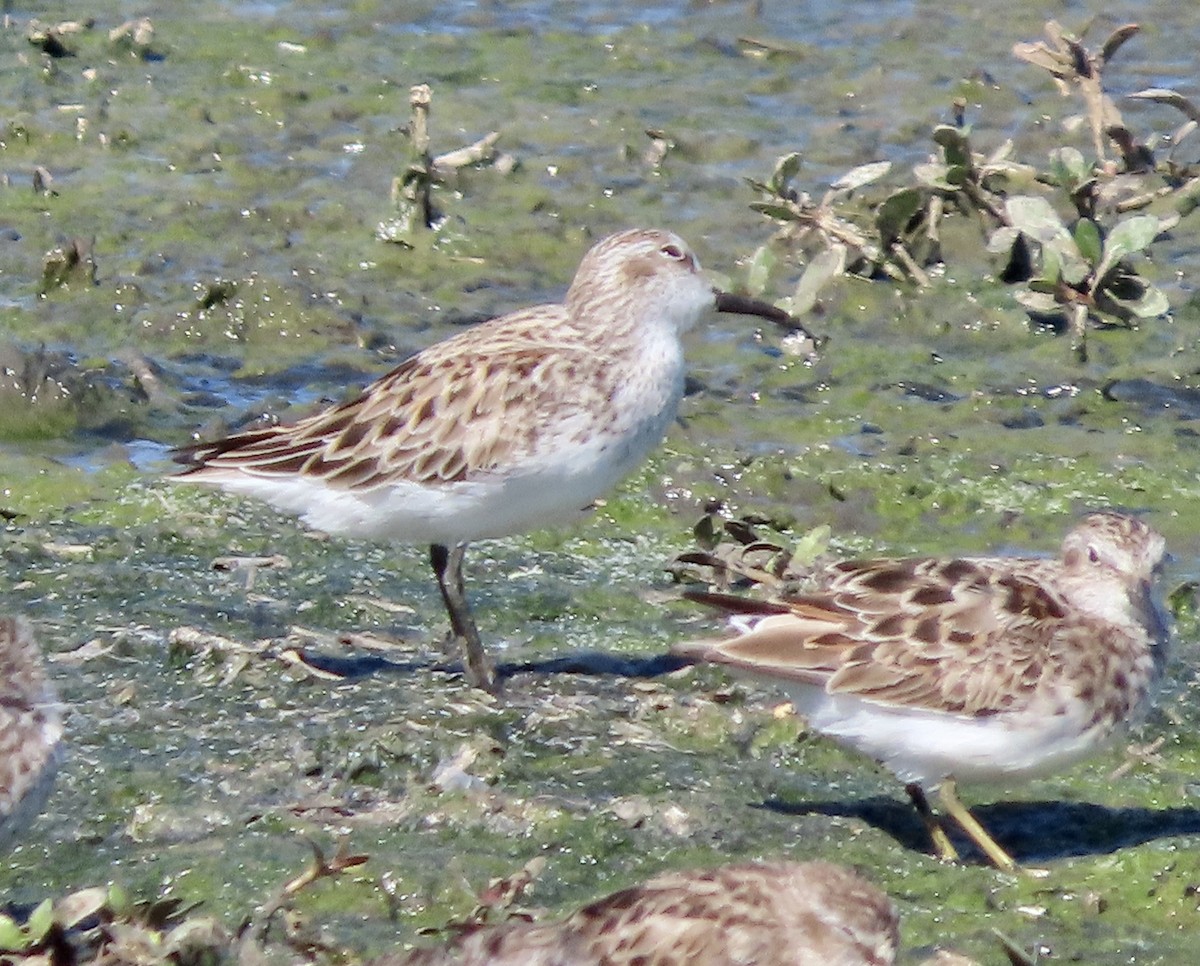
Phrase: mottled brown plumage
(30, 729)
(486, 400)
(752, 914)
(457, 411)
(516, 424)
(990, 668)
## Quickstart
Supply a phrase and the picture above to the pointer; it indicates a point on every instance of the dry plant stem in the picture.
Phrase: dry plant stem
(767, 46)
(900, 253)
(482, 150)
(981, 200)
(1100, 110)
(447, 567)
(1139, 202)
(419, 99)
(1078, 315)
(1138, 755)
(937, 208)
(1068, 60)
(143, 371)
(415, 186)
(256, 929)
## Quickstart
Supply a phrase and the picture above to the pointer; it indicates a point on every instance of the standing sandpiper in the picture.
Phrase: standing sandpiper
(516, 424)
(30, 729)
(984, 668)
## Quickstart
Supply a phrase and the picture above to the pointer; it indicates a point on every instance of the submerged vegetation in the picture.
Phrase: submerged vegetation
(270, 759)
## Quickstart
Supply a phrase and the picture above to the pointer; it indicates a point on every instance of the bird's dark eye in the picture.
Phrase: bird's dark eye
(1093, 555)
(673, 251)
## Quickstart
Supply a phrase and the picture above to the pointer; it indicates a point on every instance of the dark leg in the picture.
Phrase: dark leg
(447, 567)
(942, 845)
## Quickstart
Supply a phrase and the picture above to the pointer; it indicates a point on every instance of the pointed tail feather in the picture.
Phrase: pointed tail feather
(733, 604)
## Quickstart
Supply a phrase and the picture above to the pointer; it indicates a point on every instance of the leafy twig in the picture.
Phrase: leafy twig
(1070, 63)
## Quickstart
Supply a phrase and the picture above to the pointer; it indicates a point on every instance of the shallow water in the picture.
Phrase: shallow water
(255, 146)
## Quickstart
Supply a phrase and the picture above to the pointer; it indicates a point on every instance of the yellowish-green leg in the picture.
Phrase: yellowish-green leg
(955, 809)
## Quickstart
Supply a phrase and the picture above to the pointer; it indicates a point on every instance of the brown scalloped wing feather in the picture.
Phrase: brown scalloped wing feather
(769, 913)
(913, 633)
(459, 409)
(752, 913)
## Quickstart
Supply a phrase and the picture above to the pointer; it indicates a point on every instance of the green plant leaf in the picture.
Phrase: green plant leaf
(758, 275)
(933, 174)
(773, 210)
(1187, 199)
(1052, 263)
(1164, 95)
(1001, 153)
(1071, 266)
(810, 546)
(786, 168)
(1069, 168)
(1002, 240)
(956, 149)
(824, 266)
(958, 174)
(12, 936)
(947, 135)
(1129, 236)
(1036, 218)
(118, 900)
(1037, 301)
(862, 175)
(40, 921)
(1151, 305)
(1087, 240)
(897, 209)
(73, 909)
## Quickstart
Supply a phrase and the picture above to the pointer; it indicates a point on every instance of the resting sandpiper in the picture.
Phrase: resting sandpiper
(30, 729)
(767, 913)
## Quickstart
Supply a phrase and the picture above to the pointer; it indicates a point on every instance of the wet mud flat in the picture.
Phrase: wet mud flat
(221, 720)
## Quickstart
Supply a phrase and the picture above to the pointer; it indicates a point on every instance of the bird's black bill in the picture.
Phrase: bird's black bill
(747, 305)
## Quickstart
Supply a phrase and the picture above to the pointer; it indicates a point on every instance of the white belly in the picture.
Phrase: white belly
(556, 486)
(927, 746)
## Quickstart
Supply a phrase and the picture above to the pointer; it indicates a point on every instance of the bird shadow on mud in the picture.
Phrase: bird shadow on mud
(595, 663)
(1030, 831)
(598, 663)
